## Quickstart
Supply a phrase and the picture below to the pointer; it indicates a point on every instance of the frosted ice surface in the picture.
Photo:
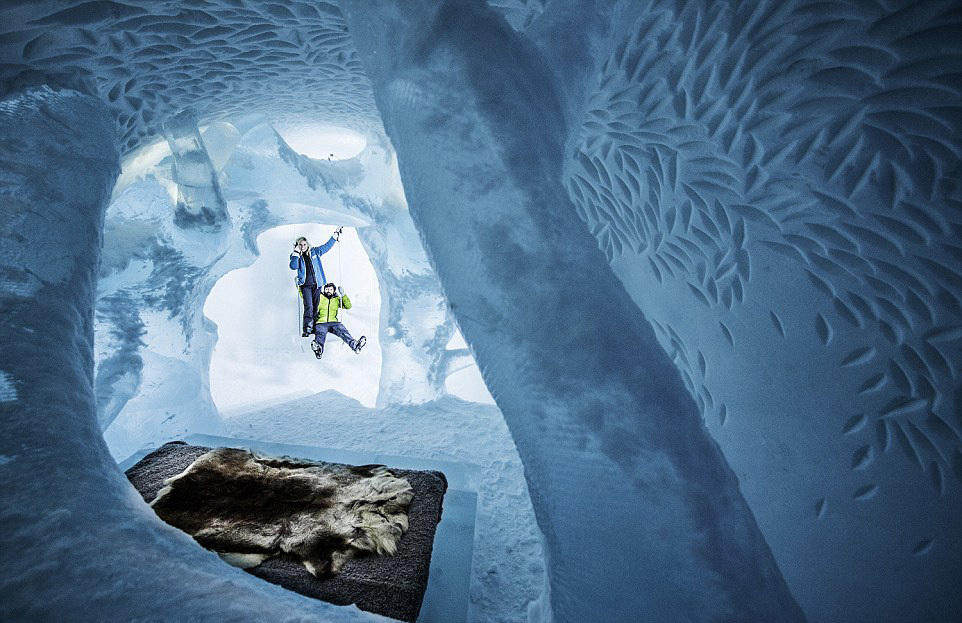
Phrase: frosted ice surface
(787, 225)
(200, 202)
(8, 393)
(320, 141)
(780, 221)
(220, 139)
(597, 411)
(467, 383)
(146, 59)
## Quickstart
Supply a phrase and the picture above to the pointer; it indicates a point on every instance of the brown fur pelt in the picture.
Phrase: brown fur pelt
(248, 508)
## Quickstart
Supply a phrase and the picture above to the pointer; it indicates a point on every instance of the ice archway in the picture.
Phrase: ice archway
(155, 343)
(785, 172)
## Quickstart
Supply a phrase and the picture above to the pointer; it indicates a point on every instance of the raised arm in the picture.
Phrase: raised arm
(324, 248)
(345, 302)
(294, 260)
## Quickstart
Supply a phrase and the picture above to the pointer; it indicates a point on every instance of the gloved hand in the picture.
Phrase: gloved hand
(337, 233)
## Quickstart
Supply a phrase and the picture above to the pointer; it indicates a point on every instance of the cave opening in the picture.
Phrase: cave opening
(260, 356)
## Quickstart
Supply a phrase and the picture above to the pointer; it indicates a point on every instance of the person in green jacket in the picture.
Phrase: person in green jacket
(326, 321)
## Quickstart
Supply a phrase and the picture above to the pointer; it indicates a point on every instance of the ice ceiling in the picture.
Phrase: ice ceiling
(705, 253)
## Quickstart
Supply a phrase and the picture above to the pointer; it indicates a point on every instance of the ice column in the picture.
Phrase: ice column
(199, 201)
(642, 517)
(58, 167)
(415, 325)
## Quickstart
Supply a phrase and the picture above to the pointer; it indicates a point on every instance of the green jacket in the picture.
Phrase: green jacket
(327, 308)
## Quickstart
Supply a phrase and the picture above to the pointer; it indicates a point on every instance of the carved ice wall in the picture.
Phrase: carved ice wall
(149, 60)
(777, 184)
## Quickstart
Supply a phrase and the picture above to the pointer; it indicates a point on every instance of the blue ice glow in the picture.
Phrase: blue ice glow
(705, 254)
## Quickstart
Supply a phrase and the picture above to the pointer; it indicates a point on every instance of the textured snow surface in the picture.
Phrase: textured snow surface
(148, 59)
(508, 564)
(8, 393)
(618, 463)
(320, 141)
(785, 210)
(776, 186)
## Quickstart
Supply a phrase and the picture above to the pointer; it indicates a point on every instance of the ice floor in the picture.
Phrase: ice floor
(488, 563)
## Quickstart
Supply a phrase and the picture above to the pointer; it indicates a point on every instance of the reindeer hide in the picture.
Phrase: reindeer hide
(249, 508)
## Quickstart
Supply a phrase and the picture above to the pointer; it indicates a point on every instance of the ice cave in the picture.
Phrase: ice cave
(670, 292)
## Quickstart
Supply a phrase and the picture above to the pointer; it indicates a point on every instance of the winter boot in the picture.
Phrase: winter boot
(318, 349)
(359, 344)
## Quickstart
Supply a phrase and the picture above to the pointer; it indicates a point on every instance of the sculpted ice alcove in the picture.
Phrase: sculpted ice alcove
(705, 255)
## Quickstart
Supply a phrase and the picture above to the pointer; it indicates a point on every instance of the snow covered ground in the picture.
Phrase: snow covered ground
(508, 566)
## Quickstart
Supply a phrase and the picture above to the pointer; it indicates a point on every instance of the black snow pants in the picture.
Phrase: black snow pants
(311, 295)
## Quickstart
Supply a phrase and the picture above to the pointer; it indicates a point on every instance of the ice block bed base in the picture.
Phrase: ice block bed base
(392, 586)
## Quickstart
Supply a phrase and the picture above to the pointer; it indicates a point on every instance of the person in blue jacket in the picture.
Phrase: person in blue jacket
(306, 260)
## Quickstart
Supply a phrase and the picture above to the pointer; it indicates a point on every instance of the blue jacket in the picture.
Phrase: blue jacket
(315, 253)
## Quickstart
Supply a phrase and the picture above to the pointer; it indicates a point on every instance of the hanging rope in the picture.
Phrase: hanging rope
(300, 314)
(340, 273)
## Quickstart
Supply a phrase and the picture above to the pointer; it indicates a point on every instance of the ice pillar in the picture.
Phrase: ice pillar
(415, 325)
(643, 519)
(58, 167)
(200, 202)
